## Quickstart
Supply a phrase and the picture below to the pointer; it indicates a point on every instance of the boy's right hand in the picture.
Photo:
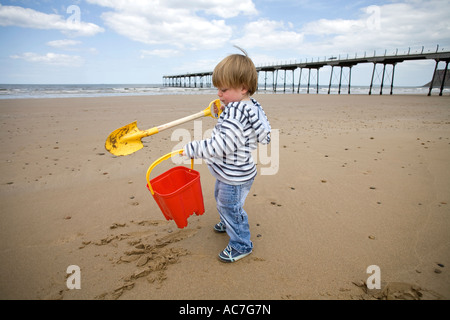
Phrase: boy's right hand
(216, 110)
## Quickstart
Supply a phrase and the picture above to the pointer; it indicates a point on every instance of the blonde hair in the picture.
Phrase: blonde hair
(236, 70)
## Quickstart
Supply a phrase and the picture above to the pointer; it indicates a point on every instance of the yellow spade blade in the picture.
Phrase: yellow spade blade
(127, 140)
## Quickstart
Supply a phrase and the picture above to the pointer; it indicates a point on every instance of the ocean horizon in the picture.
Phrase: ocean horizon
(36, 91)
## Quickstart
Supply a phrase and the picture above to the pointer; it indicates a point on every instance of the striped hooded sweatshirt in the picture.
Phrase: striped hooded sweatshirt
(239, 129)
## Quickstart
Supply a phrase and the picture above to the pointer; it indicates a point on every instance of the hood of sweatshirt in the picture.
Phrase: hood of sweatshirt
(261, 125)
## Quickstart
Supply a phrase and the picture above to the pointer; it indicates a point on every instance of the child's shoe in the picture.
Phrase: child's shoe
(220, 227)
(231, 255)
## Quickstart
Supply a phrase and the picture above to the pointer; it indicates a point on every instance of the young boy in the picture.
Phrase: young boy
(240, 127)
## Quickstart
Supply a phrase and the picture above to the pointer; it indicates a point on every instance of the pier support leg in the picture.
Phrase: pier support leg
(317, 83)
(265, 80)
(443, 80)
(371, 81)
(432, 79)
(309, 77)
(275, 81)
(331, 77)
(299, 80)
(349, 78)
(257, 81)
(382, 79)
(392, 80)
(293, 84)
(284, 80)
(340, 80)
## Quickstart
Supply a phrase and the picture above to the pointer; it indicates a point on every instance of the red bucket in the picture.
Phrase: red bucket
(178, 191)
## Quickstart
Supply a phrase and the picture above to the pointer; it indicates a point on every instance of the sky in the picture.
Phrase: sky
(140, 41)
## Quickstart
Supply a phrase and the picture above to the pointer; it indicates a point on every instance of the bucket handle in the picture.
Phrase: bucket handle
(158, 161)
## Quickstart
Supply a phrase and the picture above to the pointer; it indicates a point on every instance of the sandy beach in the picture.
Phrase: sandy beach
(349, 182)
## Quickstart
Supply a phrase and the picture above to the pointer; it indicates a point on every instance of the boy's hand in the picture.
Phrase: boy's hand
(216, 110)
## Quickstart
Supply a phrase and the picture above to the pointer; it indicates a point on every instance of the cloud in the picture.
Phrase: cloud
(231, 9)
(269, 34)
(196, 66)
(411, 23)
(174, 22)
(163, 53)
(63, 44)
(52, 59)
(191, 32)
(29, 18)
(375, 27)
(71, 45)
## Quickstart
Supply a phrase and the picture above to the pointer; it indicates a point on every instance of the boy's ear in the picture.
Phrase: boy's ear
(244, 90)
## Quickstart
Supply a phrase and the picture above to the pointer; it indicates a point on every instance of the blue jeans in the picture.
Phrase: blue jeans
(230, 201)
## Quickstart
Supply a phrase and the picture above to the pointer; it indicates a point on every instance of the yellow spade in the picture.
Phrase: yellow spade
(126, 140)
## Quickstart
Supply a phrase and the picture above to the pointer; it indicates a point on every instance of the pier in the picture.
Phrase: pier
(340, 66)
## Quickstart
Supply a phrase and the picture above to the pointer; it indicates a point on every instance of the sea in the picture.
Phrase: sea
(36, 91)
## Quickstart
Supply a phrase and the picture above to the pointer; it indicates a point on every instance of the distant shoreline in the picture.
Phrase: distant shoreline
(37, 91)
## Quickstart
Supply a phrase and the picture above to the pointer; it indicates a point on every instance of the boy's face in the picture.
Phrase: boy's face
(228, 95)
